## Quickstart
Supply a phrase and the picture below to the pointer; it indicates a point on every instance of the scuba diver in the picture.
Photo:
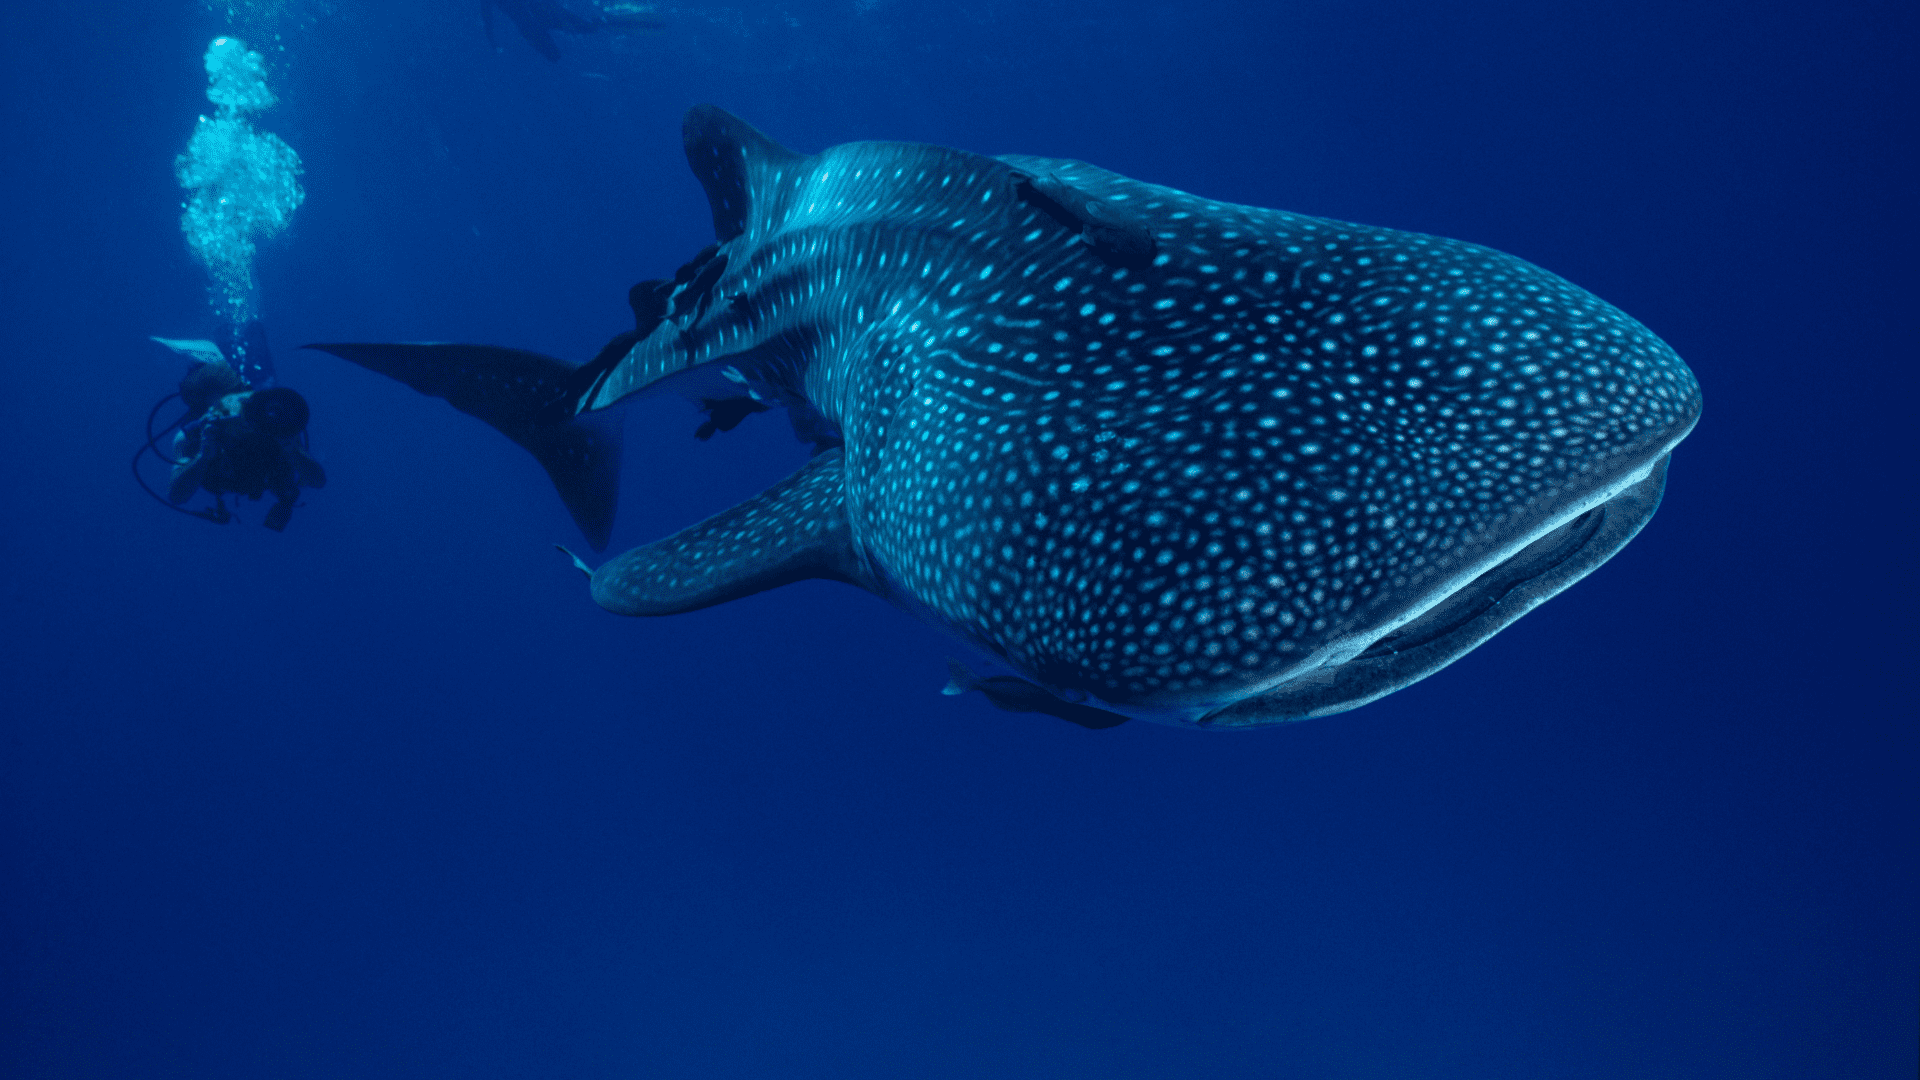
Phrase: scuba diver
(538, 19)
(239, 434)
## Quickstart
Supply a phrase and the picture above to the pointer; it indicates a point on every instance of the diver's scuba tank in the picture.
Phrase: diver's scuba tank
(231, 448)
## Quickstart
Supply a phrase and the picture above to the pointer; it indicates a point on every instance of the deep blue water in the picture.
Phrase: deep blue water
(387, 795)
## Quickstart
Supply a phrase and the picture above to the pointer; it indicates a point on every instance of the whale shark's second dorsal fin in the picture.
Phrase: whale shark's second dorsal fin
(733, 162)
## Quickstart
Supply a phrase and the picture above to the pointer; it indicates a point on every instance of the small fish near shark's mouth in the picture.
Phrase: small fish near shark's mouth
(1459, 621)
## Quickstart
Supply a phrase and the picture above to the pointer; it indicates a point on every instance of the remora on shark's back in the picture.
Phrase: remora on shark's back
(1164, 457)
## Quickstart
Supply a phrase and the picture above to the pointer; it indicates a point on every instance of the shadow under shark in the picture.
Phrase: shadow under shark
(1164, 457)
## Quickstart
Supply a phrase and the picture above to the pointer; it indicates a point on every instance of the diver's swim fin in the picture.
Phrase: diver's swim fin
(200, 352)
(517, 392)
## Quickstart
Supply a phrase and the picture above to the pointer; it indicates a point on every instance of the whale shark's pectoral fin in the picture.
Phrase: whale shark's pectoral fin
(523, 396)
(794, 530)
(1009, 694)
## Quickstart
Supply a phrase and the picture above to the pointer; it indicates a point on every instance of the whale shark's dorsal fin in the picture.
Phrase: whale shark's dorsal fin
(733, 162)
(794, 530)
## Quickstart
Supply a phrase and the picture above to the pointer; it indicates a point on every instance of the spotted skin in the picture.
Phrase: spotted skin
(1168, 480)
(795, 530)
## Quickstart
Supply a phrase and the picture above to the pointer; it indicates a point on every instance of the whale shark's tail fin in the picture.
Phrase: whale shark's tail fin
(517, 392)
(735, 164)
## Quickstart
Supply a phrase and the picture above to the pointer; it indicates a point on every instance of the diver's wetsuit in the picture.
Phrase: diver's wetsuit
(242, 433)
(234, 450)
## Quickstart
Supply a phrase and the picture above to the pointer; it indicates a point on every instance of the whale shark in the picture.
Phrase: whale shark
(524, 396)
(1159, 456)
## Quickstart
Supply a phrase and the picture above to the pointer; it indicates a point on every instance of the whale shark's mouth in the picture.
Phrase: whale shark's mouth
(1462, 618)
(1484, 593)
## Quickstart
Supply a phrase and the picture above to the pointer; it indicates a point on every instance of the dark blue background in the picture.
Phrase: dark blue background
(387, 795)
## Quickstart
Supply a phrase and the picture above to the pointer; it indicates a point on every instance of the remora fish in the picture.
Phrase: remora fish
(1164, 457)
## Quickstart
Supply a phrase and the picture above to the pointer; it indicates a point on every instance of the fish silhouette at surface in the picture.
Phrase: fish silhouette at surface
(1163, 457)
(538, 20)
